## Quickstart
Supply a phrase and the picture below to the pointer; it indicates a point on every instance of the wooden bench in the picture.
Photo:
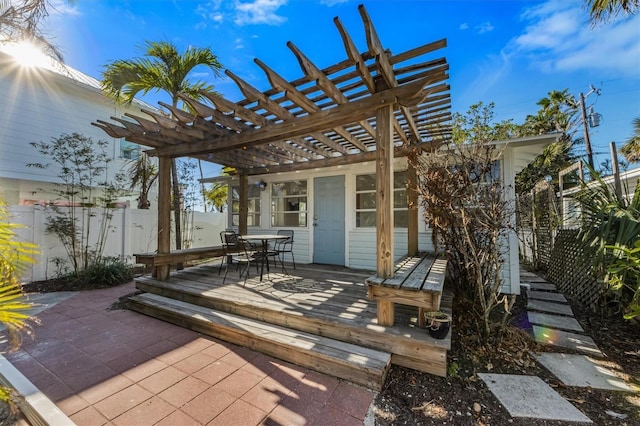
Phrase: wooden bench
(177, 256)
(417, 281)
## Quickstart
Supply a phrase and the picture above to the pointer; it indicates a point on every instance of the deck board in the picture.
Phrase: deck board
(324, 300)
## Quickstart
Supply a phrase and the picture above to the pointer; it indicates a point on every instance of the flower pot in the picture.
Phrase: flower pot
(438, 324)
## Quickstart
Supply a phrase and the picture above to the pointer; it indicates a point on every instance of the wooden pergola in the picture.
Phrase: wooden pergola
(373, 105)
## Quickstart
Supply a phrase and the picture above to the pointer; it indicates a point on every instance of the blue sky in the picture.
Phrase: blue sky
(509, 52)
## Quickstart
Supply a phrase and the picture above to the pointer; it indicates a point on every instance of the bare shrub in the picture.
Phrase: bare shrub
(467, 207)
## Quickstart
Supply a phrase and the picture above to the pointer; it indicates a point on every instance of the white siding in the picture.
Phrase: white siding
(301, 246)
(511, 268)
(362, 246)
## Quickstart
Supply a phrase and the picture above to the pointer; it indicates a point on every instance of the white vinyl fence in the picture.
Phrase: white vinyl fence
(131, 231)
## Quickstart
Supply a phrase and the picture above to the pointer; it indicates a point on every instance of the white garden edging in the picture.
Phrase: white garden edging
(36, 407)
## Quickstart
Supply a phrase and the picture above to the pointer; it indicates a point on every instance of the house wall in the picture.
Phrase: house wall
(511, 269)
(360, 243)
(131, 231)
(38, 105)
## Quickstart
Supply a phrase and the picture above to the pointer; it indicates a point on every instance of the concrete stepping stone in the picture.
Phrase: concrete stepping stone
(533, 280)
(531, 397)
(542, 286)
(554, 321)
(565, 339)
(544, 306)
(582, 371)
(528, 275)
(544, 295)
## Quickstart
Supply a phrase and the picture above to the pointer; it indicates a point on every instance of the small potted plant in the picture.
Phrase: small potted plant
(438, 324)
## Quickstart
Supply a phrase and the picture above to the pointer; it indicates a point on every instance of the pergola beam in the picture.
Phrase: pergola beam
(409, 94)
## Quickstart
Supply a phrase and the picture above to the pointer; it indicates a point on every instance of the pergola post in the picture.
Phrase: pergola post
(384, 191)
(244, 204)
(412, 200)
(161, 272)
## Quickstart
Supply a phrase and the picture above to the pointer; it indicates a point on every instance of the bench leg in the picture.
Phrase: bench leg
(421, 320)
(386, 314)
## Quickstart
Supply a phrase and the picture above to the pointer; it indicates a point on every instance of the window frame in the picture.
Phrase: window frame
(303, 214)
(396, 189)
(251, 212)
(130, 151)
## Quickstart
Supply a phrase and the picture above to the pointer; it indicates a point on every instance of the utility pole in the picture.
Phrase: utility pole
(585, 126)
(585, 123)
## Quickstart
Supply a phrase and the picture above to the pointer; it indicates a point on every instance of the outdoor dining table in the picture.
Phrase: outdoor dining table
(264, 239)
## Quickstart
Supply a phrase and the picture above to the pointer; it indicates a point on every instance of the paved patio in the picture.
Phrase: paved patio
(110, 366)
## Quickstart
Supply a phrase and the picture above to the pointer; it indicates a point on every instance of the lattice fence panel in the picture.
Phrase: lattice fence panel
(569, 269)
(537, 219)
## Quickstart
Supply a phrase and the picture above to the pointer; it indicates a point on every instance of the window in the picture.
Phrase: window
(253, 215)
(289, 203)
(128, 150)
(483, 184)
(366, 200)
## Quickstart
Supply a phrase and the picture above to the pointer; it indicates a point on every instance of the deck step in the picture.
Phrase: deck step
(357, 364)
(410, 347)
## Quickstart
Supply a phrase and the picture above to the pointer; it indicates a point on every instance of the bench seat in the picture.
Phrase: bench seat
(177, 256)
(417, 281)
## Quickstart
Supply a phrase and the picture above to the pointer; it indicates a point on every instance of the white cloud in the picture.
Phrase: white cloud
(549, 31)
(63, 7)
(616, 50)
(464, 26)
(493, 70)
(559, 38)
(259, 12)
(484, 27)
(333, 2)
(211, 11)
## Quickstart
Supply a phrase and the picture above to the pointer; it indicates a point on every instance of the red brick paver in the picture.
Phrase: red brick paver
(119, 367)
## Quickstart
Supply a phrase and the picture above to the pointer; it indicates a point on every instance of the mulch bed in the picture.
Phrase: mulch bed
(414, 398)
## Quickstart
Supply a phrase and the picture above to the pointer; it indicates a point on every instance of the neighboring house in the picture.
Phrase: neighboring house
(39, 104)
(570, 209)
(347, 211)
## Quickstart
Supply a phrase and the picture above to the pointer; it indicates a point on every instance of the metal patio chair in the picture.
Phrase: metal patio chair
(283, 247)
(236, 251)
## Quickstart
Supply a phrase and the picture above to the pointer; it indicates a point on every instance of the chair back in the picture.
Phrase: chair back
(289, 240)
(230, 242)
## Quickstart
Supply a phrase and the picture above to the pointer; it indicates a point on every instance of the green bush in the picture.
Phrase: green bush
(108, 272)
(611, 229)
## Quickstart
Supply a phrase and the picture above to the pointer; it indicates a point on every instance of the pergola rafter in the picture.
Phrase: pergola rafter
(373, 105)
(217, 124)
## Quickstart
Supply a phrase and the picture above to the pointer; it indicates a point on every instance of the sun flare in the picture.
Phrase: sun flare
(26, 54)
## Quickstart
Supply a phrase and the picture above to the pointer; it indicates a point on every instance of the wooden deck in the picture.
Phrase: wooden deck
(319, 310)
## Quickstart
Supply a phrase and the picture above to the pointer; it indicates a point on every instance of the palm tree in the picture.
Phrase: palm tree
(558, 113)
(161, 68)
(143, 173)
(217, 196)
(14, 256)
(605, 10)
(631, 149)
